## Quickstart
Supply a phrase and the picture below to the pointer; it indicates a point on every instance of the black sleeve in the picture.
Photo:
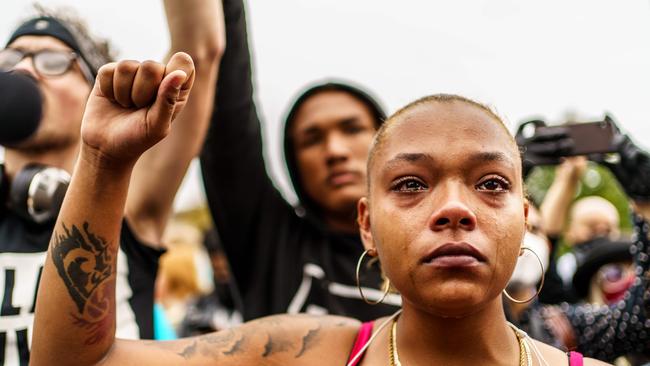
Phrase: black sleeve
(554, 290)
(240, 194)
(608, 332)
(142, 261)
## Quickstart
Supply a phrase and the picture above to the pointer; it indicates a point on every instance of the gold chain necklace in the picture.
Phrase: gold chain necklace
(524, 353)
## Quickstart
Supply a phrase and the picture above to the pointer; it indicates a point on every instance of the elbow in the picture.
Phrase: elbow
(148, 223)
(207, 55)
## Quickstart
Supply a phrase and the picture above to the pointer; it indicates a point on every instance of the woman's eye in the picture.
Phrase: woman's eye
(494, 184)
(408, 185)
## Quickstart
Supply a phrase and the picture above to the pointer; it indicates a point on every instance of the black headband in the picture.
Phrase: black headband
(49, 26)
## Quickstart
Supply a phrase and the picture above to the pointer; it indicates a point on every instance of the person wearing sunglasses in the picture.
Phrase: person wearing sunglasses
(58, 54)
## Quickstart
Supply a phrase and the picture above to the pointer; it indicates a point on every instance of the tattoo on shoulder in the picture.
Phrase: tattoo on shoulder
(83, 262)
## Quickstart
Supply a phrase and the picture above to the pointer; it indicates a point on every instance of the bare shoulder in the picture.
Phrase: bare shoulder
(281, 339)
(554, 356)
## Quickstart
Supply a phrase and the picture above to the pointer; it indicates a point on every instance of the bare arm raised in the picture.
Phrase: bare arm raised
(196, 27)
(75, 311)
(76, 302)
(557, 202)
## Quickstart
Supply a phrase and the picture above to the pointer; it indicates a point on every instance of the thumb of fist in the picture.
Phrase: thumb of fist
(161, 112)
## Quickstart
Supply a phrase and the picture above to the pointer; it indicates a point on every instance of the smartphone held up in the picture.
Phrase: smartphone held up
(547, 145)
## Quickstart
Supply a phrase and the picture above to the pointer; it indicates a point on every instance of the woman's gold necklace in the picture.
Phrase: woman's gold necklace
(392, 345)
(524, 353)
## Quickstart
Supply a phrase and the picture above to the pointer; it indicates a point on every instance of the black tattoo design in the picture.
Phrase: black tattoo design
(237, 347)
(228, 343)
(219, 339)
(236, 342)
(189, 351)
(83, 262)
(276, 344)
(308, 340)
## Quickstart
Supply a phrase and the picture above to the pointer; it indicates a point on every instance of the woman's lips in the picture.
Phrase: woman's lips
(454, 255)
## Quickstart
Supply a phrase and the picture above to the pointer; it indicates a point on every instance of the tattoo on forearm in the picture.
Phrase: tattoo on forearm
(84, 264)
(309, 340)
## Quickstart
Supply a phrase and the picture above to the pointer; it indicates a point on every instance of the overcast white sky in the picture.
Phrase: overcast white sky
(526, 58)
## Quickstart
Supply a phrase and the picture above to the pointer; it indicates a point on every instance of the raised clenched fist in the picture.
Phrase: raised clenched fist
(132, 106)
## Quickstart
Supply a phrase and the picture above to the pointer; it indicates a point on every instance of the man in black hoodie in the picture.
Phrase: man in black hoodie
(287, 259)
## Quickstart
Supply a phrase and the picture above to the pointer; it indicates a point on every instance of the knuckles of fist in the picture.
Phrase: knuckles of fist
(132, 84)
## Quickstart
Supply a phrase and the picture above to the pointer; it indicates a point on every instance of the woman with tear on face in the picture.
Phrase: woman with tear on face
(445, 214)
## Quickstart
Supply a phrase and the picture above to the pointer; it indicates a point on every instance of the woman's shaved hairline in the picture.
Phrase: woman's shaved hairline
(382, 133)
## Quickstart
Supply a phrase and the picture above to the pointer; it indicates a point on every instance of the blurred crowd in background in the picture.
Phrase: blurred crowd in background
(248, 253)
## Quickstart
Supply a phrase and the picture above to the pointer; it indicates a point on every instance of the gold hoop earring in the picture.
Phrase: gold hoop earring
(541, 283)
(387, 284)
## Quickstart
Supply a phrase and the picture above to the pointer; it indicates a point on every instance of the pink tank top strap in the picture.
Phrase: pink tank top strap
(575, 359)
(365, 332)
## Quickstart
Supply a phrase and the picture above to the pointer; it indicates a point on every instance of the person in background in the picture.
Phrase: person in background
(615, 324)
(177, 284)
(59, 55)
(588, 218)
(594, 236)
(605, 271)
(284, 258)
(579, 325)
(599, 269)
(219, 309)
(530, 269)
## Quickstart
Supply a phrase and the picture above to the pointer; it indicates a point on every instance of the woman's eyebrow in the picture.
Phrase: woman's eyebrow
(491, 156)
(425, 159)
(408, 158)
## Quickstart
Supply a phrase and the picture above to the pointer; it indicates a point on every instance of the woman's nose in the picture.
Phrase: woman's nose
(453, 213)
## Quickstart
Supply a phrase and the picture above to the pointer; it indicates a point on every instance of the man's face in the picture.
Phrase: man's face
(332, 133)
(64, 97)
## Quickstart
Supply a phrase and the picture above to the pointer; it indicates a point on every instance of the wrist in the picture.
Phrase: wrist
(99, 162)
(567, 174)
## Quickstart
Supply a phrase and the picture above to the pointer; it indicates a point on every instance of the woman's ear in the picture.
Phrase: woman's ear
(526, 207)
(363, 219)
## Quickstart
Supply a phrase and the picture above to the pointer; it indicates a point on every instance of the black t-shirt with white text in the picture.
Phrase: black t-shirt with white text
(23, 248)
